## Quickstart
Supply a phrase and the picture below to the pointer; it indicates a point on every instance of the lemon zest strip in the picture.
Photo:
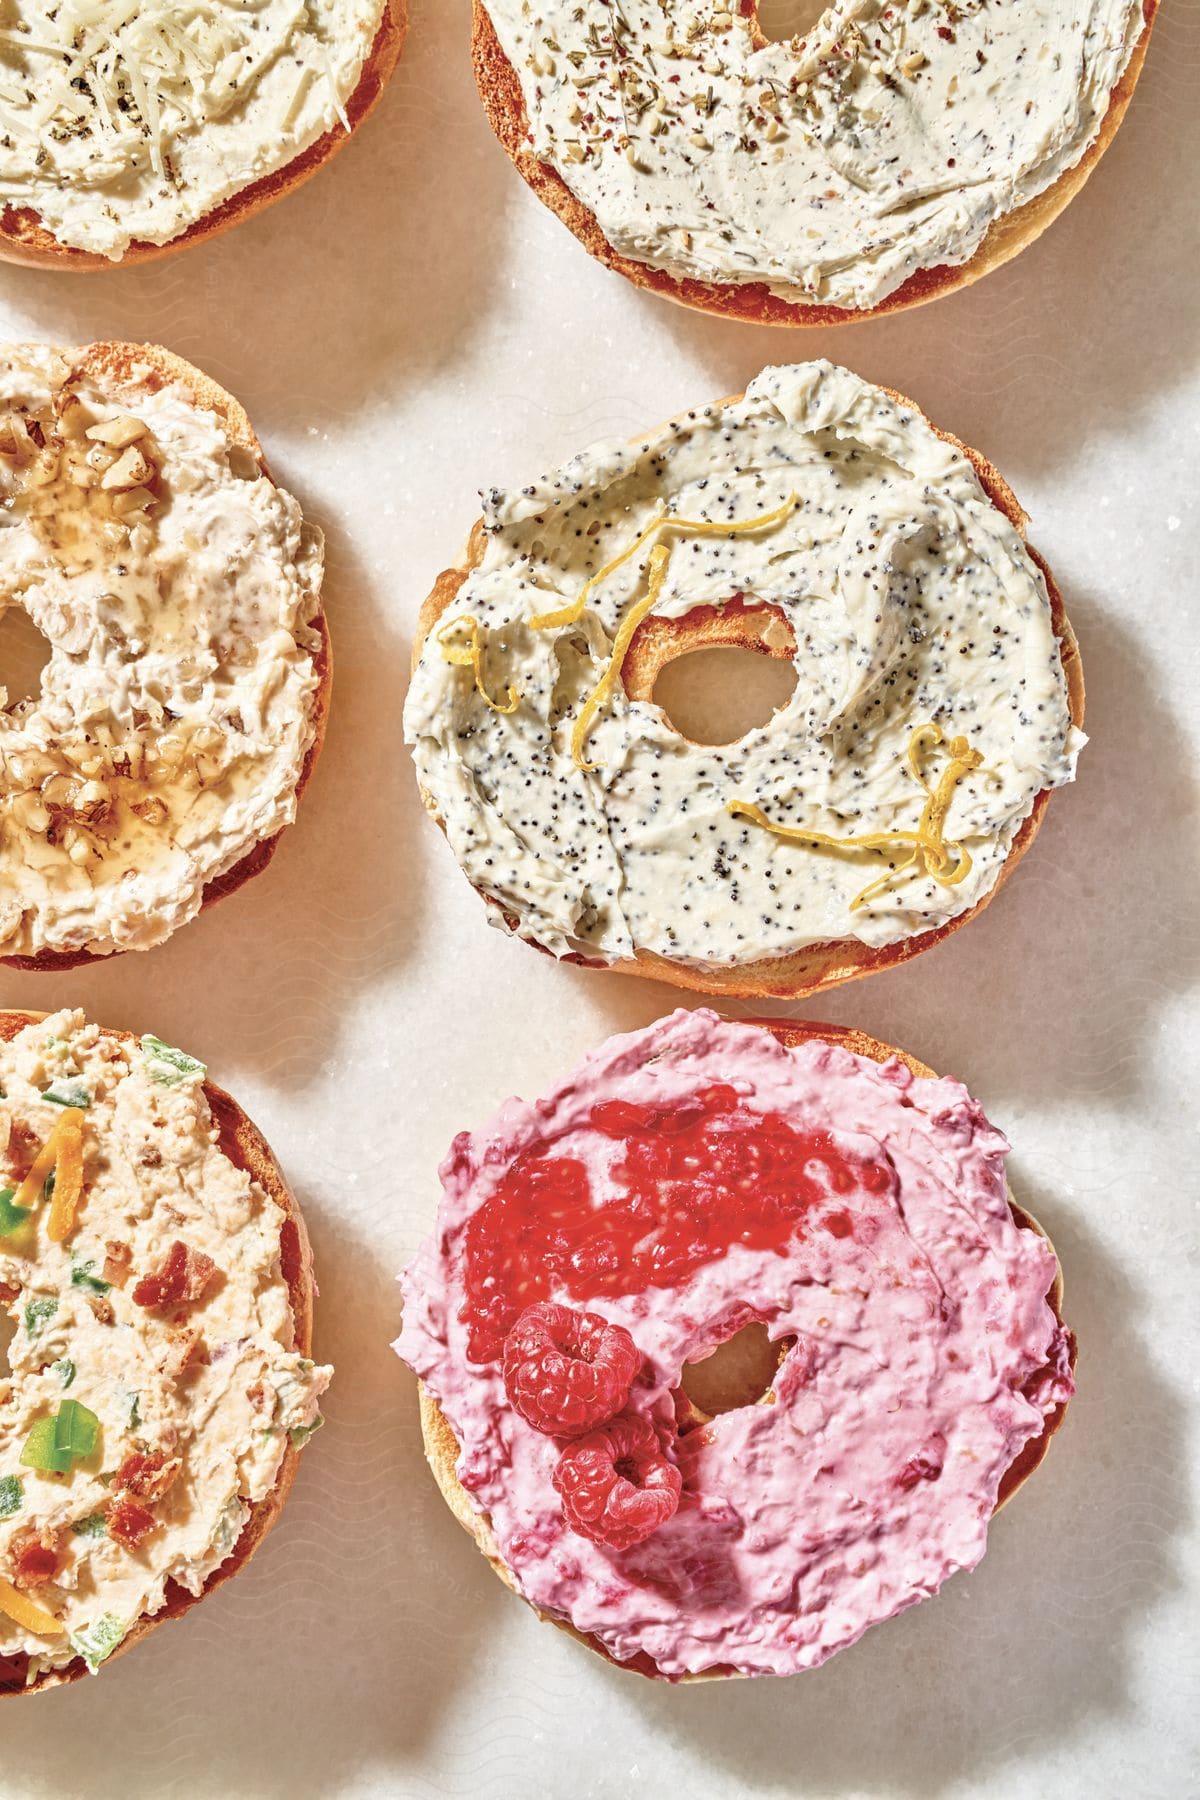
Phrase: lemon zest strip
(662, 521)
(27, 1613)
(470, 656)
(660, 556)
(948, 863)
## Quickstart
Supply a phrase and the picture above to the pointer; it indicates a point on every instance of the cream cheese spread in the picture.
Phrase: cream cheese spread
(206, 1395)
(132, 119)
(913, 604)
(921, 1352)
(178, 589)
(830, 167)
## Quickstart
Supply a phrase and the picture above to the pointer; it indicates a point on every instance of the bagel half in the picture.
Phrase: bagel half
(442, 1449)
(753, 302)
(247, 1149)
(817, 966)
(116, 361)
(25, 239)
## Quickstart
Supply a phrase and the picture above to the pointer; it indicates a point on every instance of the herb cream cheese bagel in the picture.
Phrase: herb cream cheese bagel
(794, 1196)
(130, 131)
(159, 1282)
(892, 154)
(817, 519)
(182, 709)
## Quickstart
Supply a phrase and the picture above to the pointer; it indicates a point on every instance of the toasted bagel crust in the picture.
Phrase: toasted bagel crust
(753, 302)
(817, 966)
(24, 239)
(117, 362)
(442, 1449)
(246, 1147)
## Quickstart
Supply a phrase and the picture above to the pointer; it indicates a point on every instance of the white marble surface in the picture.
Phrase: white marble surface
(414, 326)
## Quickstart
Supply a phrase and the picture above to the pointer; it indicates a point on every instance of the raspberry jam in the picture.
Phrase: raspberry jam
(692, 1180)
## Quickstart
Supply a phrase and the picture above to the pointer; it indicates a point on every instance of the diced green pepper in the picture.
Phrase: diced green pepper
(168, 1066)
(65, 1370)
(94, 1526)
(76, 1429)
(36, 1314)
(12, 1496)
(98, 1640)
(67, 1090)
(300, 1434)
(135, 1410)
(11, 1217)
(40, 1452)
(81, 1276)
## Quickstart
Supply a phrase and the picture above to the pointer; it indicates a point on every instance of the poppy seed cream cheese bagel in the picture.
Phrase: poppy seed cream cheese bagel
(183, 705)
(611, 1263)
(131, 131)
(159, 1283)
(893, 153)
(817, 519)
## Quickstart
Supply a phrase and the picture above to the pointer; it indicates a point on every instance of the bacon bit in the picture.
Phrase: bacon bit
(8, 1293)
(116, 1262)
(183, 1278)
(148, 1476)
(261, 1398)
(129, 1523)
(34, 1558)
(68, 1179)
(102, 1308)
(27, 1613)
(23, 1146)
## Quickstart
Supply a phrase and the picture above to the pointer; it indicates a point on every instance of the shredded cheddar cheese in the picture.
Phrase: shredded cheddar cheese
(62, 1152)
(470, 656)
(27, 1613)
(948, 863)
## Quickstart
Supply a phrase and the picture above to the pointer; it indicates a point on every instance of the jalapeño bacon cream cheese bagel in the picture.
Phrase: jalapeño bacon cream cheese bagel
(898, 150)
(183, 706)
(818, 519)
(692, 1189)
(131, 130)
(159, 1283)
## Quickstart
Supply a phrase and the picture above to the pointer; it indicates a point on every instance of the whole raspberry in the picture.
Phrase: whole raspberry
(617, 1487)
(566, 1371)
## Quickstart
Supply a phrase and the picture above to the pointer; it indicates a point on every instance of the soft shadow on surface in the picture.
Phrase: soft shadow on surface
(338, 1652)
(335, 910)
(1117, 317)
(1011, 1662)
(285, 309)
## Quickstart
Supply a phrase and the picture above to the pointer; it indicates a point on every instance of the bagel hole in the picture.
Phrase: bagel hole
(24, 653)
(738, 1372)
(781, 20)
(716, 696)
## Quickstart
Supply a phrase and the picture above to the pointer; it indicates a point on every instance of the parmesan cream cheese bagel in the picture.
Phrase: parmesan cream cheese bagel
(183, 706)
(896, 152)
(689, 1190)
(159, 1283)
(130, 131)
(820, 520)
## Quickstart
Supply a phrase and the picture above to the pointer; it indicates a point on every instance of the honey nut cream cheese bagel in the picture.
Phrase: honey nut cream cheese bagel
(689, 1189)
(819, 520)
(894, 152)
(159, 1283)
(183, 706)
(129, 131)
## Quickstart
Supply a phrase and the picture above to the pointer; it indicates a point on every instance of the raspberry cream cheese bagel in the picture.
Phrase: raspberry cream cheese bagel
(132, 131)
(822, 521)
(183, 706)
(894, 153)
(159, 1283)
(689, 1188)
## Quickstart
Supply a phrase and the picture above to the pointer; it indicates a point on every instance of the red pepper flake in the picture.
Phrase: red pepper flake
(129, 1523)
(147, 1477)
(183, 1278)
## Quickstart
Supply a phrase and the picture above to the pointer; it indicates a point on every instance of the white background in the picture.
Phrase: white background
(414, 326)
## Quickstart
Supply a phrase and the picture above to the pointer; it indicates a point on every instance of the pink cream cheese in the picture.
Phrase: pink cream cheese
(924, 1341)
